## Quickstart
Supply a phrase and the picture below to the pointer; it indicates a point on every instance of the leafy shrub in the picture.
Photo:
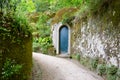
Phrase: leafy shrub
(45, 43)
(111, 77)
(112, 69)
(118, 74)
(36, 46)
(78, 57)
(101, 69)
(94, 62)
(111, 72)
(10, 68)
(42, 44)
(42, 40)
(85, 61)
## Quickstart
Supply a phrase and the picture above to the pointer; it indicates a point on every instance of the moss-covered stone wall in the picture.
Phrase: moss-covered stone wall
(98, 33)
(21, 53)
(15, 44)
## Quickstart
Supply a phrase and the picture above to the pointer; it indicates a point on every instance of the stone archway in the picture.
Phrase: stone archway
(63, 39)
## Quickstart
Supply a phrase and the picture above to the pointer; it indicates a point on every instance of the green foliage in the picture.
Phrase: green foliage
(13, 28)
(101, 68)
(111, 77)
(41, 5)
(21, 14)
(78, 56)
(45, 43)
(111, 72)
(21, 53)
(58, 4)
(118, 74)
(94, 62)
(108, 72)
(15, 42)
(0, 63)
(25, 6)
(10, 68)
(42, 44)
(54, 5)
(83, 60)
(42, 26)
(8, 6)
(41, 33)
(112, 69)
(36, 46)
(12, 24)
(92, 7)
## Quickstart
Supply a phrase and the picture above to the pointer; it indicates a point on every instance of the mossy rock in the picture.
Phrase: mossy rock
(0, 63)
(64, 13)
(21, 53)
(16, 44)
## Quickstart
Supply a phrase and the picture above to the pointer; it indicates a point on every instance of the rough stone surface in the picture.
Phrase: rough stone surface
(96, 34)
(94, 41)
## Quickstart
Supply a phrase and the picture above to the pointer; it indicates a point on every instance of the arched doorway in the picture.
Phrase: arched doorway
(63, 39)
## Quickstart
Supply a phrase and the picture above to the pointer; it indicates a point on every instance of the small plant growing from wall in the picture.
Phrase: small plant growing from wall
(108, 72)
(85, 61)
(78, 56)
(118, 74)
(10, 68)
(112, 72)
(94, 63)
(101, 69)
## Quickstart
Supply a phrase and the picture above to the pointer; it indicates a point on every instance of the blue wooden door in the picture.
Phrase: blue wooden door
(63, 38)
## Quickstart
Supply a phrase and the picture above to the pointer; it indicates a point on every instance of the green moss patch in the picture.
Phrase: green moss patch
(16, 44)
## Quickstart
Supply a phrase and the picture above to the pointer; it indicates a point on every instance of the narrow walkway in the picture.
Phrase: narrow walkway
(54, 68)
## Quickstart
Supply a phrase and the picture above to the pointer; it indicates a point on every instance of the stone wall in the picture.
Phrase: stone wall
(15, 49)
(94, 41)
(55, 37)
(98, 34)
(21, 53)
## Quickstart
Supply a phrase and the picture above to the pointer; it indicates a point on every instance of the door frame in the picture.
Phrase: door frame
(58, 38)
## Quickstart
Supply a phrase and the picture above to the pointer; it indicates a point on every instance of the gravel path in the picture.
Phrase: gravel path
(36, 71)
(54, 68)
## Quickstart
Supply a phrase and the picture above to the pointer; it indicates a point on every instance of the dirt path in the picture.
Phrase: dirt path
(54, 68)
